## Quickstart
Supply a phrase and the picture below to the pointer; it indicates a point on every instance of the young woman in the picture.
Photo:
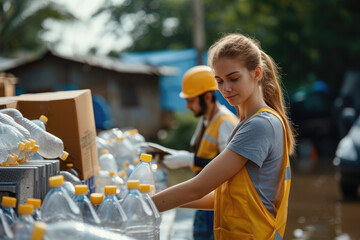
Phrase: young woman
(251, 177)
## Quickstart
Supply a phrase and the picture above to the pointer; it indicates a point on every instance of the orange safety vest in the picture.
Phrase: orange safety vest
(208, 147)
(238, 210)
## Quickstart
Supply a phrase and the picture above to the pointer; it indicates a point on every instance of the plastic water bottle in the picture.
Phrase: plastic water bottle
(123, 151)
(145, 190)
(69, 177)
(37, 205)
(102, 178)
(41, 122)
(86, 208)
(118, 182)
(135, 137)
(128, 167)
(50, 145)
(107, 161)
(96, 199)
(141, 221)
(70, 169)
(24, 224)
(29, 155)
(110, 212)
(160, 177)
(8, 205)
(5, 230)
(73, 230)
(58, 205)
(6, 119)
(144, 173)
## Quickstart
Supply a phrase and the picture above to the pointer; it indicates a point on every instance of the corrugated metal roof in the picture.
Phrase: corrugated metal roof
(112, 64)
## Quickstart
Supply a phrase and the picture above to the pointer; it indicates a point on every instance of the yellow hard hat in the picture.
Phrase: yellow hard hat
(198, 80)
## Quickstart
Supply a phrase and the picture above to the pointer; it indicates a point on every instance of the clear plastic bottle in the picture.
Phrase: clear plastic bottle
(135, 137)
(41, 122)
(96, 199)
(110, 212)
(6, 119)
(118, 182)
(73, 230)
(29, 155)
(101, 180)
(145, 190)
(37, 205)
(50, 145)
(141, 220)
(58, 205)
(24, 224)
(70, 169)
(144, 173)
(107, 161)
(69, 177)
(160, 177)
(8, 205)
(5, 230)
(128, 167)
(86, 208)
(123, 151)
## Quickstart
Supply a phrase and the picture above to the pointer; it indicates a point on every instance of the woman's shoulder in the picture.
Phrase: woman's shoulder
(264, 121)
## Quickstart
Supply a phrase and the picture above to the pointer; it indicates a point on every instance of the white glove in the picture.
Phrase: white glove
(179, 159)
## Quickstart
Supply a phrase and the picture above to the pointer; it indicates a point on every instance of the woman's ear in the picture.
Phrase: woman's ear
(258, 73)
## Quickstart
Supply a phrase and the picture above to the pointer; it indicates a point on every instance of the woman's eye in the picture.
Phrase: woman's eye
(219, 82)
(233, 79)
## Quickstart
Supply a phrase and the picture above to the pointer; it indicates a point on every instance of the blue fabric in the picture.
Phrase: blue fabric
(204, 225)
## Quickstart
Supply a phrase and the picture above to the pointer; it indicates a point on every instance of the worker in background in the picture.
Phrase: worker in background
(210, 137)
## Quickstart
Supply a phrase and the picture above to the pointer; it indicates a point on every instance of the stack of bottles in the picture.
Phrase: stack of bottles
(107, 215)
(120, 152)
(21, 139)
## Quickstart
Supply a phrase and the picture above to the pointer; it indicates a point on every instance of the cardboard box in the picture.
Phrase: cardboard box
(7, 85)
(70, 118)
(8, 102)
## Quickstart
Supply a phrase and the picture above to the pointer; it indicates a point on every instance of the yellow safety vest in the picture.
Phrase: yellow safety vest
(208, 147)
(238, 210)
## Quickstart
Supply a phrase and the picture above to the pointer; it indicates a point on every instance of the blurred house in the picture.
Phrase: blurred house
(125, 95)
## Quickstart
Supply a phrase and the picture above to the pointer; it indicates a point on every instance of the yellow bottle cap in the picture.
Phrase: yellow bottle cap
(145, 157)
(144, 188)
(32, 142)
(14, 164)
(122, 173)
(69, 165)
(44, 118)
(133, 184)
(104, 151)
(96, 198)
(136, 161)
(25, 209)
(35, 148)
(10, 159)
(110, 140)
(111, 173)
(39, 230)
(21, 160)
(21, 146)
(15, 156)
(126, 164)
(35, 202)
(119, 139)
(81, 189)
(8, 202)
(4, 164)
(27, 143)
(56, 181)
(64, 156)
(110, 190)
(133, 131)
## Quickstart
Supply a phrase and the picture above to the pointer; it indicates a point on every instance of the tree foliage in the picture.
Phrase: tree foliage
(21, 22)
(309, 39)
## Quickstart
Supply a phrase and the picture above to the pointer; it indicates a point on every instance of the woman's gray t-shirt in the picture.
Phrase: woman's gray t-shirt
(261, 141)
